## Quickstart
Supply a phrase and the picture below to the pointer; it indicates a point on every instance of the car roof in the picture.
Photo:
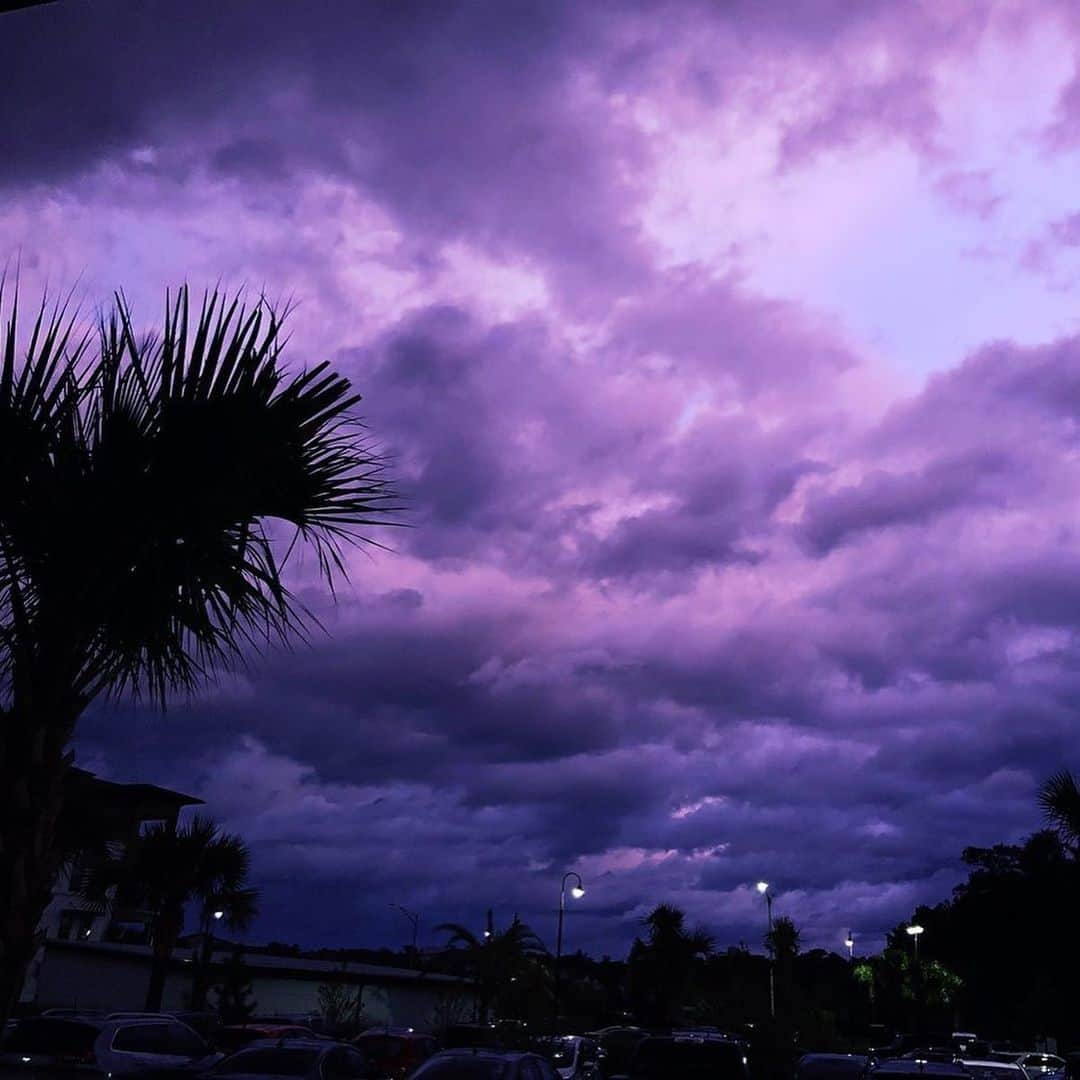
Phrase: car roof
(916, 1067)
(300, 1042)
(393, 1032)
(484, 1053)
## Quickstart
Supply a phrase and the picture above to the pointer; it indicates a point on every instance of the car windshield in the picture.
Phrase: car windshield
(464, 1069)
(721, 1059)
(820, 1068)
(380, 1046)
(275, 1061)
(560, 1052)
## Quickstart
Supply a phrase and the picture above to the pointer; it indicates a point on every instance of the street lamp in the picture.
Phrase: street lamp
(849, 941)
(414, 919)
(219, 915)
(763, 889)
(577, 891)
(914, 930)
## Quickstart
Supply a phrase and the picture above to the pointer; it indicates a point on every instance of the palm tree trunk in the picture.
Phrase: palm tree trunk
(167, 927)
(33, 768)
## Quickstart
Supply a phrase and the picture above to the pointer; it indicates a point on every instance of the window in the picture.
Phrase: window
(381, 1046)
(344, 1065)
(278, 1061)
(184, 1042)
(463, 1069)
(61, 1037)
(356, 1064)
(141, 1039)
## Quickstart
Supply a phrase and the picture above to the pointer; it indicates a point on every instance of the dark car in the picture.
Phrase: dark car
(917, 1069)
(676, 1058)
(235, 1037)
(902, 1044)
(618, 1045)
(481, 1064)
(943, 1055)
(831, 1066)
(57, 1047)
(575, 1057)
(395, 1051)
(295, 1059)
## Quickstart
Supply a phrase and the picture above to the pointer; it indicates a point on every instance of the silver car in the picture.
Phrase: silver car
(86, 1046)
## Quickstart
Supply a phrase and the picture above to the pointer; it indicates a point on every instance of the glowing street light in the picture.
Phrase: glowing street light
(763, 890)
(849, 941)
(914, 930)
(577, 891)
(219, 915)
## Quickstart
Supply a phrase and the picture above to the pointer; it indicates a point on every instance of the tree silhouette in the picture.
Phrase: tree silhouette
(165, 869)
(1060, 801)
(783, 940)
(496, 957)
(662, 965)
(137, 475)
(234, 1001)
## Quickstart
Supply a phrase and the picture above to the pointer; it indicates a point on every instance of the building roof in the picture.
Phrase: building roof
(289, 967)
(128, 796)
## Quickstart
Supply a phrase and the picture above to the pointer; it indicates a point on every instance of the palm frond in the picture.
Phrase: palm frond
(1059, 798)
(139, 492)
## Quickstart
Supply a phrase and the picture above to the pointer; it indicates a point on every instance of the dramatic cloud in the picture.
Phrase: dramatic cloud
(727, 358)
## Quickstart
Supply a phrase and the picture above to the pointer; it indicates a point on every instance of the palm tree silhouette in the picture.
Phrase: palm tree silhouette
(1060, 800)
(662, 965)
(138, 478)
(495, 957)
(164, 870)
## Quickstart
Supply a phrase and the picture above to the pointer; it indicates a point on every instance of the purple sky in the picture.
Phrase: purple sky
(726, 353)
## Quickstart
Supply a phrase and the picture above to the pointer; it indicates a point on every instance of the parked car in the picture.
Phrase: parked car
(993, 1070)
(943, 1055)
(233, 1037)
(309, 1059)
(396, 1052)
(676, 1058)
(1038, 1065)
(574, 1056)
(141, 1016)
(618, 1045)
(62, 1046)
(483, 1064)
(902, 1044)
(917, 1069)
(831, 1066)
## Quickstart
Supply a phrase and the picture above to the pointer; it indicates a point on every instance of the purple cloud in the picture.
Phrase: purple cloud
(703, 584)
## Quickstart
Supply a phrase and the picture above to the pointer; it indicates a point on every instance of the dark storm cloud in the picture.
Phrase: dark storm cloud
(676, 609)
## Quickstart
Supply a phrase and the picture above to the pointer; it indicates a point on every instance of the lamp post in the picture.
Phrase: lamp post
(577, 891)
(201, 978)
(763, 889)
(849, 941)
(413, 918)
(915, 932)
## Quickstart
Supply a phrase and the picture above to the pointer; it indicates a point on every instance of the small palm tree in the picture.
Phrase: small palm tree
(138, 475)
(496, 956)
(164, 870)
(1060, 800)
(783, 939)
(663, 964)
